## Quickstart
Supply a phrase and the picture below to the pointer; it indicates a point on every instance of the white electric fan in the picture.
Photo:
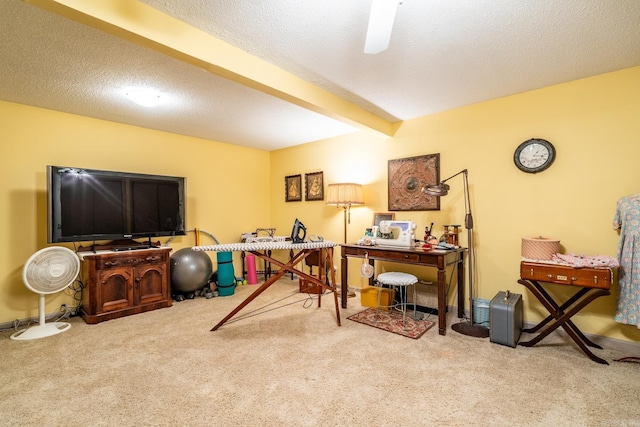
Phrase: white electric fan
(48, 271)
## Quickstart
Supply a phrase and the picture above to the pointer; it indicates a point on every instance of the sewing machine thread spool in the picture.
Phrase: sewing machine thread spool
(445, 235)
(453, 236)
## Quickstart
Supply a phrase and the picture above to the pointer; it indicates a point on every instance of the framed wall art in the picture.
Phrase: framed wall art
(313, 186)
(405, 181)
(293, 188)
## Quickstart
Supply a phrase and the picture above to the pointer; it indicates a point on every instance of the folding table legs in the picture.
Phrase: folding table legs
(562, 315)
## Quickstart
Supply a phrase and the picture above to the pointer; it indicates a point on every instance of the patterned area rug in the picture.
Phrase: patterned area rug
(391, 321)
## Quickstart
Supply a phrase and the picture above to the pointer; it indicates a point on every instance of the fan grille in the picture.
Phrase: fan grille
(51, 269)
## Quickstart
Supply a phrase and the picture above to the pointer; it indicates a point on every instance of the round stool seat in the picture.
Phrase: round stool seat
(395, 278)
(402, 281)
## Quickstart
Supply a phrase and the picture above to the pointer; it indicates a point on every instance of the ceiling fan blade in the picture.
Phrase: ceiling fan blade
(383, 13)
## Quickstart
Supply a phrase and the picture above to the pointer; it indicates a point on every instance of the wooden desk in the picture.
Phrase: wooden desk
(437, 259)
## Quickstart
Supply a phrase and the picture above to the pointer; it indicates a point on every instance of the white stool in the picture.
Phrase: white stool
(400, 281)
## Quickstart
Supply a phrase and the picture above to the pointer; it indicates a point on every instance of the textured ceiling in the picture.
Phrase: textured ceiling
(443, 54)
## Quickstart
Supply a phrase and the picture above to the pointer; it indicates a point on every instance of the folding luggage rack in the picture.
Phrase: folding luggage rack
(593, 283)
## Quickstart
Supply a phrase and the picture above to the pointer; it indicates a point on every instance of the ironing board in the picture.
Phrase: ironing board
(262, 249)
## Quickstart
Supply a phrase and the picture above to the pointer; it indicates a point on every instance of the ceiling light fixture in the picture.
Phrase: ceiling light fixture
(144, 97)
(383, 13)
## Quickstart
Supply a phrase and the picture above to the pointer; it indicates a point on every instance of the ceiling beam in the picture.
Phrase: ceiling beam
(148, 27)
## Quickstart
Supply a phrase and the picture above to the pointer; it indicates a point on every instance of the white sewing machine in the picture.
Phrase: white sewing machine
(397, 234)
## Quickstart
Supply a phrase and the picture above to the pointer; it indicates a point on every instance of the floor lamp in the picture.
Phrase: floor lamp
(343, 196)
(442, 189)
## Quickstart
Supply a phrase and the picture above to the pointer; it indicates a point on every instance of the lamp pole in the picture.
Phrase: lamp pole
(469, 328)
(442, 189)
(345, 208)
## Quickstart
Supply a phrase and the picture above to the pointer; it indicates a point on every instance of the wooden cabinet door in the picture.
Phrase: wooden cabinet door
(150, 284)
(115, 288)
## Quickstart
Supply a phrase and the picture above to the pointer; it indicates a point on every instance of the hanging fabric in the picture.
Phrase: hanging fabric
(627, 220)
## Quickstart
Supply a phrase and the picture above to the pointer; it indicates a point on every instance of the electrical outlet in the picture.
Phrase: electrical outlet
(66, 309)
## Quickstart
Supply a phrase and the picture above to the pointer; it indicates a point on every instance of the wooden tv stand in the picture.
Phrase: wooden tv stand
(120, 283)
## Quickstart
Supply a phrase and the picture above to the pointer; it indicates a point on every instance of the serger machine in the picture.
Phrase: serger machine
(399, 234)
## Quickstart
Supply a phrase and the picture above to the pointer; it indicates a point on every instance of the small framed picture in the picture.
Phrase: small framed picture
(293, 188)
(382, 216)
(313, 186)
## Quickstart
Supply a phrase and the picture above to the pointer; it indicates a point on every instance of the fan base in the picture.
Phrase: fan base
(41, 331)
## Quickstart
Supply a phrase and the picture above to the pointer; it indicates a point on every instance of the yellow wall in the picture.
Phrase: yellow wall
(226, 194)
(593, 123)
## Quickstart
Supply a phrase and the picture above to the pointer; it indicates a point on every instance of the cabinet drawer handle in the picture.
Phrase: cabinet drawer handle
(595, 279)
(152, 258)
(110, 263)
(550, 276)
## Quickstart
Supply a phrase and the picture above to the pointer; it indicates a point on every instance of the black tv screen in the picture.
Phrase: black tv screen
(90, 205)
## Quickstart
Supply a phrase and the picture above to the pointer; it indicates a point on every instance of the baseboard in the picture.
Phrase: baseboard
(606, 342)
(15, 324)
(631, 347)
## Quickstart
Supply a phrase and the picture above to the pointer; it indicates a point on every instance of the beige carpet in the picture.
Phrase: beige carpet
(295, 367)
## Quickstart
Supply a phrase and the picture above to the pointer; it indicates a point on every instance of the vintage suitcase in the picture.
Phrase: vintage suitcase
(505, 318)
(566, 275)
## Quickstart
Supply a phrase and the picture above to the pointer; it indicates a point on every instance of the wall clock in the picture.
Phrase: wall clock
(534, 155)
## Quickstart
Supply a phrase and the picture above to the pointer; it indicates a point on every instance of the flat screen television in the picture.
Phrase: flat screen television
(90, 205)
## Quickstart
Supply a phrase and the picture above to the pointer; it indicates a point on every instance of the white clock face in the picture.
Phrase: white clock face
(534, 155)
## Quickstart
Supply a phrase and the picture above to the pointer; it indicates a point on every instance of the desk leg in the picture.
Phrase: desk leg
(244, 272)
(333, 284)
(344, 288)
(267, 266)
(291, 257)
(442, 301)
(461, 286)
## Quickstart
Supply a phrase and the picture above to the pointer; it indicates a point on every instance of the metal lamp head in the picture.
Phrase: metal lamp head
(440, 189)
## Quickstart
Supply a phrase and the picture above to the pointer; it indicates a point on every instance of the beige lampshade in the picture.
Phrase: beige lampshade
(346, 194)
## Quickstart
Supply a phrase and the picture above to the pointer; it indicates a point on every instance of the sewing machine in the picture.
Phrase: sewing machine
(399, 234)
